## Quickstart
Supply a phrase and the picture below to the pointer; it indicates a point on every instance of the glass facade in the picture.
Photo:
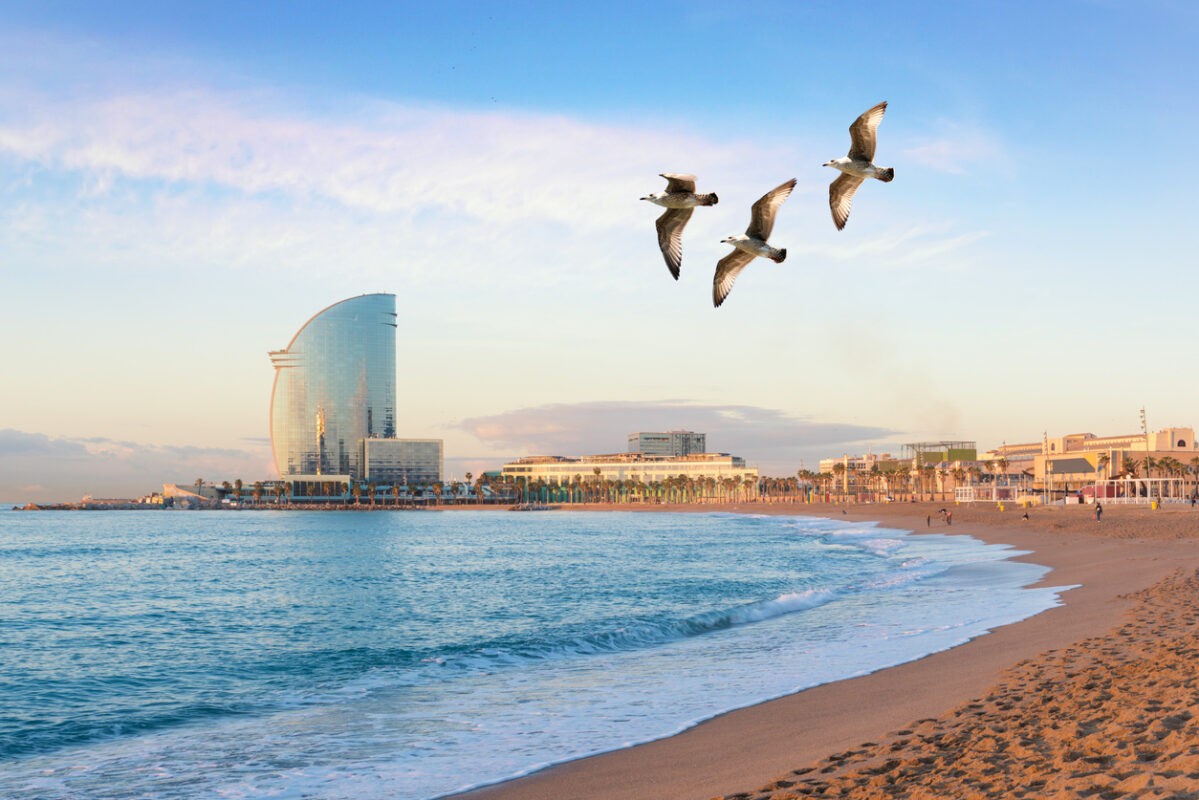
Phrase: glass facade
(669, 443)
(335, 385)
(402, 461)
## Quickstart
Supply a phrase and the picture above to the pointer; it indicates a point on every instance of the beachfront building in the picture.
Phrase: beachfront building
(335, 386)
(403, 462)
(1012, 460)
(1134, 467)
(1137, 467)
(851, 476)
(668, 443)
(635, 476)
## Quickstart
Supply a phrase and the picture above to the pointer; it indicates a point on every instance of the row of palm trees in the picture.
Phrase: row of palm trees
(375, 493)
(596, 488)
(1166, 466)
(506, 490)
(899, 481)
(1184, 476)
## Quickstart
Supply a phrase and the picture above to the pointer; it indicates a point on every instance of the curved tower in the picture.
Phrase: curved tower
(335, 384)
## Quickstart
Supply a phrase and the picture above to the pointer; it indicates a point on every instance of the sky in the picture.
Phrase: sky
(182, 185)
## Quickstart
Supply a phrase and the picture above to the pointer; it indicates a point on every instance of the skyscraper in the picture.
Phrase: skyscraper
(335, 384)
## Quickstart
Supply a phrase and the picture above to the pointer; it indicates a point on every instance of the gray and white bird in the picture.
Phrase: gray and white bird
(679, 200)
(858, 165)
(752, 243)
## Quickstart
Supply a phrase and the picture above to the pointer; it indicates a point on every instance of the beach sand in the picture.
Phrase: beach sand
(1096, 698)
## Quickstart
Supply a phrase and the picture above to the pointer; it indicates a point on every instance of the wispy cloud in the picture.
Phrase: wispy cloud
(250, 178)
(903, 247)
(168, 169)
(771, 439)
(959, 149)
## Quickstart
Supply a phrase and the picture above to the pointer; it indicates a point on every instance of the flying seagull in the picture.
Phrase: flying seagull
(858, 165)
(679, 200)
(752, 243)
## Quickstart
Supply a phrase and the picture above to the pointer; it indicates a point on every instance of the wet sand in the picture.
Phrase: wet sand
(1093, 698)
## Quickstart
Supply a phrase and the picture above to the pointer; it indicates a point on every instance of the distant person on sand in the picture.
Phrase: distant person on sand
(1099, 512)
(948, 517)
(1025, 517)
(929, 520)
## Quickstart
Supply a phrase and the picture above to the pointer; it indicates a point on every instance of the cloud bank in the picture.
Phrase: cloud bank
(772, 440)
(39, 468)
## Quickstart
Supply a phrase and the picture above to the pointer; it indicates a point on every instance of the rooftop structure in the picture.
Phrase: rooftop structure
(668, 443)
(924, 453)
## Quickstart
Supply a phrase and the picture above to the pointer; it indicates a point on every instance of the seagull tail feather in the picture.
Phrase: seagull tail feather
(886, 175)
(708, 199)
(779, 256)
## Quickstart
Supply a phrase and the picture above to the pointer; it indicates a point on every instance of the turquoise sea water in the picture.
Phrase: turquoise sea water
(408, 655)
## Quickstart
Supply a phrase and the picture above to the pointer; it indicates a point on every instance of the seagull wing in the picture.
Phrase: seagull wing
(670, 237)
(727, 271)
(840, 197)
(863, 133)
(761, 216)
(678, 182)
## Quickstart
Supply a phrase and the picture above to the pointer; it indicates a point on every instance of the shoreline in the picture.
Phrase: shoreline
(1130, 551)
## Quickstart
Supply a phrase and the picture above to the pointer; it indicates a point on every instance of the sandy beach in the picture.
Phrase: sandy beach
(1097, 697)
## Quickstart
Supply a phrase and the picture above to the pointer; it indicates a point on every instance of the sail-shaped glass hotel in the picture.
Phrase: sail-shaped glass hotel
(335, 385)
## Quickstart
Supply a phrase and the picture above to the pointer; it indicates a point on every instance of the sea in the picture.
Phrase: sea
(410, 655)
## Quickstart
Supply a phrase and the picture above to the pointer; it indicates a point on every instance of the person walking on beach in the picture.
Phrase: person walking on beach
(948, 517)
(1099, 512)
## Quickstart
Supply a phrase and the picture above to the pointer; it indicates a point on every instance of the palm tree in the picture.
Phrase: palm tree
(839, 474)
(237, 487)
(371, 490)
(257, 494)
(438, 488)
(1131, 465)
(356, 489)
(468, 478)
(928, 479)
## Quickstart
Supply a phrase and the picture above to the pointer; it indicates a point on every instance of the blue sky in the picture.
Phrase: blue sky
(183, 185)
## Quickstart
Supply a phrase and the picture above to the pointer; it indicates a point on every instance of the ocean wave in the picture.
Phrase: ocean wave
(637, 635)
